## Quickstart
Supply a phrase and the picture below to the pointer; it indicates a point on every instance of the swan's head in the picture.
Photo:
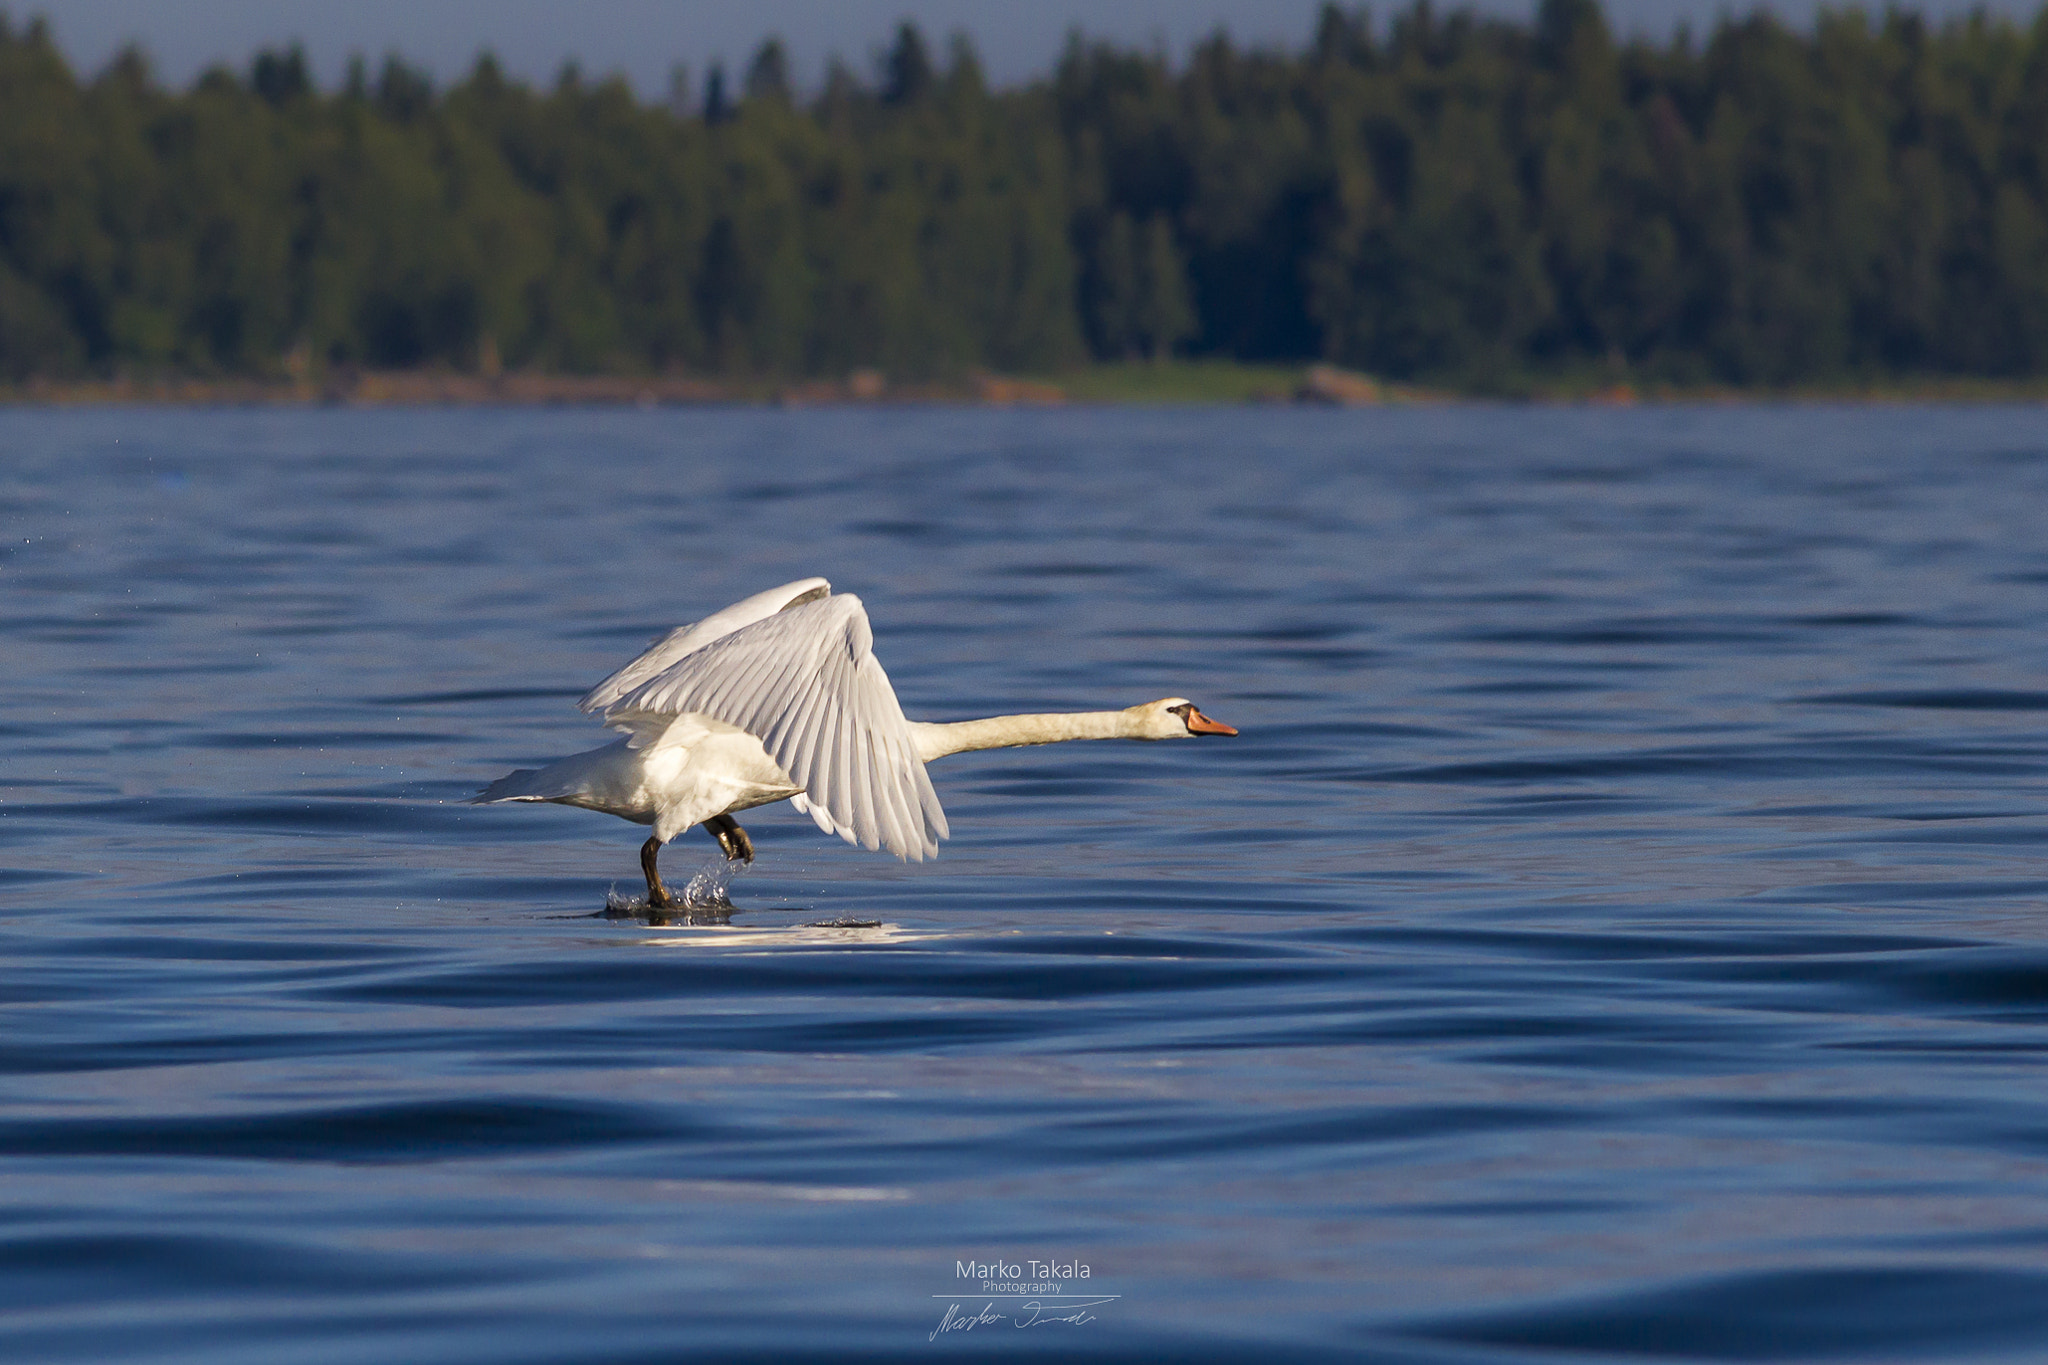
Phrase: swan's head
(1172, 718)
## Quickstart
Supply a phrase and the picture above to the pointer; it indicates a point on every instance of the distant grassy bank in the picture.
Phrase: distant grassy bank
(1175, 382)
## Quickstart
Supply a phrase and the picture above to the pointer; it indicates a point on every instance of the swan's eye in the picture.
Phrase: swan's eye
(1181, 710)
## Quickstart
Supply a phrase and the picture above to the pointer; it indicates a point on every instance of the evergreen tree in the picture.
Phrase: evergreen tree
(768, 74)
(717, 107)
(908, 68)
(1444, 196)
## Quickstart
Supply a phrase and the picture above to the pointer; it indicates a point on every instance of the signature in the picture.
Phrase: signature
(1030, 1313)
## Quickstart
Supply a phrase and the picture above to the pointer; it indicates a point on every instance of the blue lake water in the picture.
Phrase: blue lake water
(1621, 927)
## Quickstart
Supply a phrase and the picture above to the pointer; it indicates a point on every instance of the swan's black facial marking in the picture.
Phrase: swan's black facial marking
(1197, 723)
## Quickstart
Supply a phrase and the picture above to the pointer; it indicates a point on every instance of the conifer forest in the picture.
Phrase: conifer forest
(1430, 196)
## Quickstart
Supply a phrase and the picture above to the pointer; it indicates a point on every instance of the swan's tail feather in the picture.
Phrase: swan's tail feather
(569, 780)
(514, 786)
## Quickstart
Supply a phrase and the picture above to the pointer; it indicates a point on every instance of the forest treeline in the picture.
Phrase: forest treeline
(1440, 196)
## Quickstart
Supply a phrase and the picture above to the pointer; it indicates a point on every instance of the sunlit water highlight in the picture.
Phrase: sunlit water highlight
(1617, 931)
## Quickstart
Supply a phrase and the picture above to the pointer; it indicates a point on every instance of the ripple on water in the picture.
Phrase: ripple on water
(1616, 931)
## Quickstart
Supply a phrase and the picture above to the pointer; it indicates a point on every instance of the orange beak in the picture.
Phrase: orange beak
(1202, 725)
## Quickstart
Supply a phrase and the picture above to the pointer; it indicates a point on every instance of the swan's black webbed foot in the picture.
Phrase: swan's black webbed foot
(657, 894)
(738, 847)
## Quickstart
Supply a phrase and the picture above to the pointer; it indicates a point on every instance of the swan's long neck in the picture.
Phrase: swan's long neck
(1009, 732)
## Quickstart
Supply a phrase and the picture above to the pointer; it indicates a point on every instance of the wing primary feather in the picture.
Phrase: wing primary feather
(820, 817)
(823, 788)
(776, 733)
(824, 752)
(817, 780)
(903, 793)
(909, 838)
(905, 769)
(844, 776)
(860, 760)
(826, 759)
(934, 813)
(896, 826)
(864, 774)
(917, 785)
(795, 747)
(874, 708)
(909, 834)
(800, 717)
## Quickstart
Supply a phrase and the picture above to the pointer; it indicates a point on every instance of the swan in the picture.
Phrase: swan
(780, 698)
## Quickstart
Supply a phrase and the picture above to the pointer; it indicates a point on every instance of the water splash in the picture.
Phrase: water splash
(707, 889)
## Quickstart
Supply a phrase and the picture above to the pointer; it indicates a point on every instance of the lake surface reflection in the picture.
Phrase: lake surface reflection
(1618, 929)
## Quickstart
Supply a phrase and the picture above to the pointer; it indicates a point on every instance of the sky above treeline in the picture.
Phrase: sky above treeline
(646, 39)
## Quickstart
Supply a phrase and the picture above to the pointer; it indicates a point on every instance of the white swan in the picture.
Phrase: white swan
(779, 698)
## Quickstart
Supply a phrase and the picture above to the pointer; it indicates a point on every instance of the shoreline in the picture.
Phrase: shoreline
(1140, 384)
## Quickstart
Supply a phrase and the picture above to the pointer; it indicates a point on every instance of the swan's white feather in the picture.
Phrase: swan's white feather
(684, 640)
(800, 677)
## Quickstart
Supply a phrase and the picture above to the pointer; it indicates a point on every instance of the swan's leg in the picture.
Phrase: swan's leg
(738, 847)
(657, 894)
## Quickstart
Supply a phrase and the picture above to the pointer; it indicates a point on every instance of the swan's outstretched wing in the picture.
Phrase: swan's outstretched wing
(688, 639)
(805, 682)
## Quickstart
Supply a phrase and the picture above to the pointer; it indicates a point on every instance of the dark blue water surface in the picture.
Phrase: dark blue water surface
(1620, 929)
